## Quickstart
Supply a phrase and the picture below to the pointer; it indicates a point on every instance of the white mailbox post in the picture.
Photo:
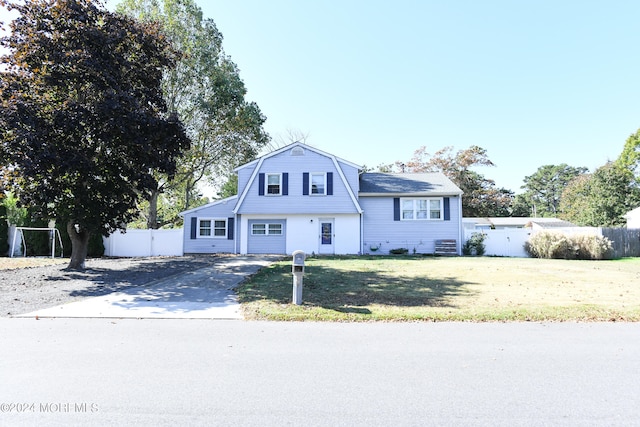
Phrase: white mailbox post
(297, 268)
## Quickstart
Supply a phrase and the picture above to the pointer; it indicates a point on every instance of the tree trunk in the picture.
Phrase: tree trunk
(79, 246)
(152, 218)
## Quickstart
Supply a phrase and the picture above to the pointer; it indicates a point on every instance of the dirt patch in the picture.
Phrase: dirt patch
(23, 290)
(13, 263)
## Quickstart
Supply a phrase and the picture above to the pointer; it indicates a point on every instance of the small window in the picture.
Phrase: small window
(259, 229)
(318, 183)
(275, 229)
(421, 209)
(212, 228)
(266, 229)
(220, 228)
(435, 209)
(205, 228)
(407, 209)
(273, 183)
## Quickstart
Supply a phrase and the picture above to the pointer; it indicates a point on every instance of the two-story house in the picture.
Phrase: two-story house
(301, 198)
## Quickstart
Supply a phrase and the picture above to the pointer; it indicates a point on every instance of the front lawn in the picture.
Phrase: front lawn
(448, 289)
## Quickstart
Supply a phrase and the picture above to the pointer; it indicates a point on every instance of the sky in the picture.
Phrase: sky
(533, 83)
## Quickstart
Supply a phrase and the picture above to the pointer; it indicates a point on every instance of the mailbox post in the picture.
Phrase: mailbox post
(297, 268)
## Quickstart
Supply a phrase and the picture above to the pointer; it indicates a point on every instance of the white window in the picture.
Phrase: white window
(266, 229)
(407, 209)
(422, 209)
(273, 183)
(435, 209)
(212, 227)
(318, 183)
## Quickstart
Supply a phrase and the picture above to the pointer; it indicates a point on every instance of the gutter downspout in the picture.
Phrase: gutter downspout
(236, 246)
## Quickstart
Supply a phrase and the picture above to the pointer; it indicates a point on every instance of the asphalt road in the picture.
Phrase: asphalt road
(235, 373)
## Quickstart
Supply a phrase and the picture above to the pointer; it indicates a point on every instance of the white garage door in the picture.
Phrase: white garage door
(267, 236)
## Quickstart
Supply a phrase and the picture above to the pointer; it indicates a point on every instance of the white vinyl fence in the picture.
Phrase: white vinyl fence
(144, 243)
(510, 242)
(505, 242)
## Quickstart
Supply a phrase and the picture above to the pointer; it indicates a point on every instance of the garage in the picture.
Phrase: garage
(267, 236)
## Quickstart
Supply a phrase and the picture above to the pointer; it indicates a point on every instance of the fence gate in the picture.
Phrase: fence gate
(507, 242)
(144, 243)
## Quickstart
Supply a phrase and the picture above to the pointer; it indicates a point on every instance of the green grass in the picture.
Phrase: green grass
(447, 289)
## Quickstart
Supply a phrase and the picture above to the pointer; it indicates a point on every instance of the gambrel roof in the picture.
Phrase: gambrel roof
(298, 145)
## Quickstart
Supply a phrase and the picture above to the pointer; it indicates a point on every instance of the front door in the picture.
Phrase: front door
(327, 235)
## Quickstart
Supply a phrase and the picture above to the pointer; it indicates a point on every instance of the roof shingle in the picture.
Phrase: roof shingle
(433, 183)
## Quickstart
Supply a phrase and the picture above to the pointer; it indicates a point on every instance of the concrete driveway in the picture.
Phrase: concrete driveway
(206, 293)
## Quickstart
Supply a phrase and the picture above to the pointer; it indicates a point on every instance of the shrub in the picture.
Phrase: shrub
(475, 244)
(37, 241)
(560, 246)
(399, 251)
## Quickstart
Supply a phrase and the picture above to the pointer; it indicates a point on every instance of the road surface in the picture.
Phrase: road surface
(234, 373)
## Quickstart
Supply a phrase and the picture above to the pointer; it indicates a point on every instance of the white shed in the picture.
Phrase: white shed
(633, 218)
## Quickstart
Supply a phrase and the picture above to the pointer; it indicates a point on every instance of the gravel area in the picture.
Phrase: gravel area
(25, 290)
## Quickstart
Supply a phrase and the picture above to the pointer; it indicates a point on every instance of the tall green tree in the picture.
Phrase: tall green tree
(575, 203)
(230, 188)
(83, 120)
(521, 206)
(207, 93)
(601, 199)
(630, 156)
(544, 188)
(481, 197)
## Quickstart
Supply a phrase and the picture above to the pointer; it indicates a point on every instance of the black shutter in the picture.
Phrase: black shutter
(396, 208)
(305, 183)
(261, 184)
(194, 227)
(447, 210)
(329, 183)
(230, 228)
(285, 184)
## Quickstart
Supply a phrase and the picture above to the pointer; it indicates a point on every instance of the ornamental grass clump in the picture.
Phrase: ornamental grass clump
(553, 245)
(592, 247)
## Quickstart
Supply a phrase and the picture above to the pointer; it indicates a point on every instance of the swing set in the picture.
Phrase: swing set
(53, 233)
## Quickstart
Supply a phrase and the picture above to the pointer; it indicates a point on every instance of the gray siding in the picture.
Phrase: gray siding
(267, 244)
(380, 229)
(204, 245)
(295, 202)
